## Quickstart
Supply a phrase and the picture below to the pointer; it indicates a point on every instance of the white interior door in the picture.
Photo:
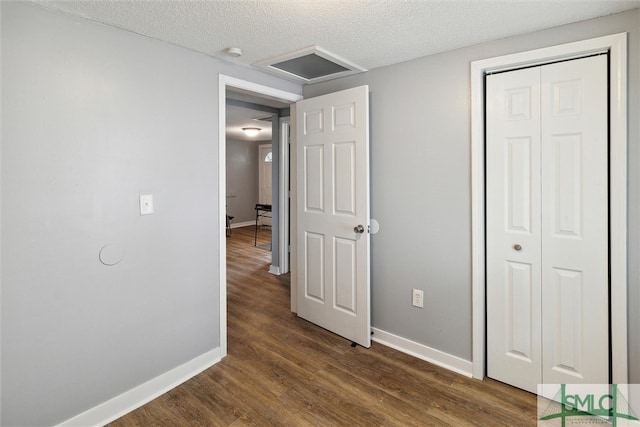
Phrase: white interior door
(265, 170)
(547, 225)
(332, 202)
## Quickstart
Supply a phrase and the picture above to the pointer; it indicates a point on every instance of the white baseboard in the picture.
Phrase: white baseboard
(274, 269)
(423, 352)
(243, 224)
(126, 402)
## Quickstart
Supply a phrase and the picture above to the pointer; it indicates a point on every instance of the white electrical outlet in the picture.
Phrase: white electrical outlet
(417, 298)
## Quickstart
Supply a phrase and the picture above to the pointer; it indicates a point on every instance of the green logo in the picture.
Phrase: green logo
(584, 406)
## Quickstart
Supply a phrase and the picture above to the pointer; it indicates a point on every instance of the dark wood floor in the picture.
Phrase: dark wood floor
(284, 371)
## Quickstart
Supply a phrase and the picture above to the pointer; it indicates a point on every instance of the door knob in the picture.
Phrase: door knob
(517, 247)
(359, 228)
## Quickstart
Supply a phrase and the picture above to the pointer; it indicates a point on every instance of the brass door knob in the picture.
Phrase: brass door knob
(517, 247)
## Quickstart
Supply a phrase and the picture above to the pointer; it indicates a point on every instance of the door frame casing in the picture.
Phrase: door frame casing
(616, 46)
(283, 200)
(293, 201)
(225, 81)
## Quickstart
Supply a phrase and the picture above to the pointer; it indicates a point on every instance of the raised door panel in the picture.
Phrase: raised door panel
(566, 191)
(344, 178)
(314, 282)
(313, 176)
(519, 331)
(313, 121)
(564, 308)
(345, 279)
(518, 181)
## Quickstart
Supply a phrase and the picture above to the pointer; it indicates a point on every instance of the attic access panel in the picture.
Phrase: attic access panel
(309, 65)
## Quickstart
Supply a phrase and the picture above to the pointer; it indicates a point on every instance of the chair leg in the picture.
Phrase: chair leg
(255, 234)
(229, 219)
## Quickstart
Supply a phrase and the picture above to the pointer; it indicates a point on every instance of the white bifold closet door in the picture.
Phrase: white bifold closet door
(547, 224)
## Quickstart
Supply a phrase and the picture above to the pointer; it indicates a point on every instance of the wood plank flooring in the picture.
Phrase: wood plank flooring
(284, 371)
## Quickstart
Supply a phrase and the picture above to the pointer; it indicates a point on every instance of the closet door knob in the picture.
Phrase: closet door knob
(517, 247)
(359, 228)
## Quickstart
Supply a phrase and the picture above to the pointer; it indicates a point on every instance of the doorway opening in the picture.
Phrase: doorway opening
(256, 94)
(249, 178)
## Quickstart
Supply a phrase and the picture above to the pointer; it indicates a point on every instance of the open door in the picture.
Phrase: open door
(333, 249)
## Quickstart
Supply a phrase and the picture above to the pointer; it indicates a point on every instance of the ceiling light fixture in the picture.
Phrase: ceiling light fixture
(251, 131)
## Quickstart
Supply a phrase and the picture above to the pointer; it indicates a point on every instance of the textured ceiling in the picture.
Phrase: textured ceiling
(369, 33)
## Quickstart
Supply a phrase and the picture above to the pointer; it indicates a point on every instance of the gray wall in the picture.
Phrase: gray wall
(92, 116)
(242, 178)
(420, 185)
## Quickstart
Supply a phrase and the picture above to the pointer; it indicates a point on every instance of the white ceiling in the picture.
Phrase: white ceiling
(238, 117)
(242, 115)
(368, 33)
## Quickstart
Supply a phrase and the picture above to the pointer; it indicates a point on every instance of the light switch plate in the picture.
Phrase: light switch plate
(146, 204)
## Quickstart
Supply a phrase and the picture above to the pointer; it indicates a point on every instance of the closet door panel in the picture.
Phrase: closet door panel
(575, 239)
(513, 228)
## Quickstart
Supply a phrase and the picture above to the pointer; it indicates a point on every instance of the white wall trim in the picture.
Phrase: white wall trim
(283, 199)
(275, 270)
(280, 95)
(243, 224)
(293, 218)
(421, 351)
(616, 45)
(222, 209)
(126, 402)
